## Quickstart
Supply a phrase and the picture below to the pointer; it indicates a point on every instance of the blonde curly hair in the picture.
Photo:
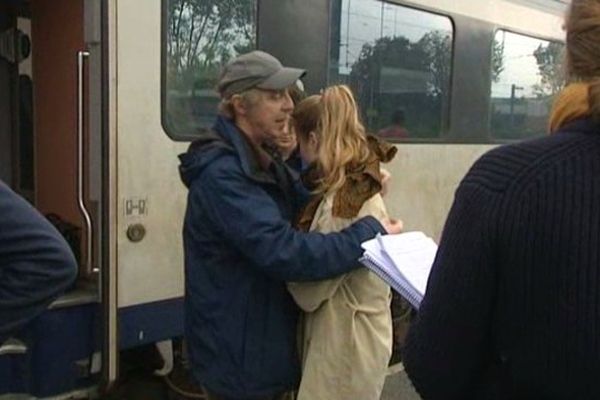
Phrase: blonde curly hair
(333, 117)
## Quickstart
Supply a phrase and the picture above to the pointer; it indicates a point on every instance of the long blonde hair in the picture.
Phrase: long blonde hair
(333, 116)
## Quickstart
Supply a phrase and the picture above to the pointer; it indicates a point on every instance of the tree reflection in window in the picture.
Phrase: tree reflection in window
(531, 74)
(398, 62)
(201, 36)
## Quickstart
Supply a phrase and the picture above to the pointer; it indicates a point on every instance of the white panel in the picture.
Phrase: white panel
(506, 13)
(424, 179)
(152, 269)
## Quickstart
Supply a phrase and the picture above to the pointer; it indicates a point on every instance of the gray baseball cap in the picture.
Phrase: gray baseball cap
(256, 69)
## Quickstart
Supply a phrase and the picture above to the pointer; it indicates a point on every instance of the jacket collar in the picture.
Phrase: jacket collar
(246, 152)
(583, 125)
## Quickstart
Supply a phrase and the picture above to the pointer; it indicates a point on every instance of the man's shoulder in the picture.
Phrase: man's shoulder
(226, 163)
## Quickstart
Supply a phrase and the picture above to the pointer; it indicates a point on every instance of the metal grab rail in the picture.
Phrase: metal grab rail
(81, 56)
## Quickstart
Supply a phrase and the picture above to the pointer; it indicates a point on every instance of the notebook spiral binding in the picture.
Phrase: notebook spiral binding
(408, 293)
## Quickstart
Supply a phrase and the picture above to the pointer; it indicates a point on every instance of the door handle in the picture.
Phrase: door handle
(89, 268)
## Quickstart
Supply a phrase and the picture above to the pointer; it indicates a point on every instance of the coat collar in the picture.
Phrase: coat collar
(254, 161)
(583, 125)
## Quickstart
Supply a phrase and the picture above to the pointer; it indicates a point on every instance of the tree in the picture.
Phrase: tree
(202, 35)
(366, 73)
(497, 60)
(394, 70)
(437, 46)
(431, 54)
(205, 34)
(549, 60)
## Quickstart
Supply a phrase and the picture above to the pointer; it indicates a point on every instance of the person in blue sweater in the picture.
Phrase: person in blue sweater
(36, 264)
(239, 244)
(512, 308)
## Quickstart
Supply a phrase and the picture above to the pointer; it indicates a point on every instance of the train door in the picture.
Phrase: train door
(50, 152)
(149, 196)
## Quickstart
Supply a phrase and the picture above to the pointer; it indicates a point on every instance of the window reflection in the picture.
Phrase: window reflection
(526, 74)
(398, 62)
(201, 36)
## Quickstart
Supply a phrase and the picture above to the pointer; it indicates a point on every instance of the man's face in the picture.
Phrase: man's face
(269, 116)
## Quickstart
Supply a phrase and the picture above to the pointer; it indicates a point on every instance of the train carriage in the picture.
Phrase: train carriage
(97, 99)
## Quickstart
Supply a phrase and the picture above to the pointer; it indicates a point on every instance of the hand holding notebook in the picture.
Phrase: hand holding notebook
(403, 261)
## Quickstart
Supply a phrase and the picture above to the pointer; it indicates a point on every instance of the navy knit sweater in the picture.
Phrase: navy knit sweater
(512, 308)
(36, 264)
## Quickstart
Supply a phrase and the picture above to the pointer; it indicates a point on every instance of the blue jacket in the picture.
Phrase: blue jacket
(240, 248)
(36, 264)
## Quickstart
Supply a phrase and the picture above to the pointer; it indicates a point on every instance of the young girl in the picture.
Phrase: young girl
(347, 330)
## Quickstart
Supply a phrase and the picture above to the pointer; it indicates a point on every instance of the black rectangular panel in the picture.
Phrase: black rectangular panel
(471, 80)
(6, 117)
(297, 32)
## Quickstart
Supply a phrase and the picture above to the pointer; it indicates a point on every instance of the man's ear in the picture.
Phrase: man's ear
(239, 105)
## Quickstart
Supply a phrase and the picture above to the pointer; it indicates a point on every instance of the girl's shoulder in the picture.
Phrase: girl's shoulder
(326, 219)
(374, 207)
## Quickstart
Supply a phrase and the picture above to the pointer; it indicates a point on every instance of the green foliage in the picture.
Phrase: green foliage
(549, 60)
(497, 60)
(203, 35)
(438, 49)
(428, 59)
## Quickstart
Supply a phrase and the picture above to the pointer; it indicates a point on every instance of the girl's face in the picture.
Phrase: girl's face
(309, 147)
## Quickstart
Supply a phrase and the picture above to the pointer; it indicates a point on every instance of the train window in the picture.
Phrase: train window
(199, 36)
(526, 74)
(398, 62)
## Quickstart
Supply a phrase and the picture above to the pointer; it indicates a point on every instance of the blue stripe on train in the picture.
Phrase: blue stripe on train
(150, 322)
(56, 340)
(61, 341)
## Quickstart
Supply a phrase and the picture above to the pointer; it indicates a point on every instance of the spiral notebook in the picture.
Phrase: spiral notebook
(403, 261)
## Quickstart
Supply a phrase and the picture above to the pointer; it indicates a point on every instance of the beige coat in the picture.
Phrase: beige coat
(347, 332)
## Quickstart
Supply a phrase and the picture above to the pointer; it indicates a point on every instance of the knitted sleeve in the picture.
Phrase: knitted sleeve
(448, 345)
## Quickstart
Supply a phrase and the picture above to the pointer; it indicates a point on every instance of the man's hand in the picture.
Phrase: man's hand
(393, 226)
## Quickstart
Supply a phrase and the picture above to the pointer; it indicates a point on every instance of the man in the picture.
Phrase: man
(36, 264)
(240, 246)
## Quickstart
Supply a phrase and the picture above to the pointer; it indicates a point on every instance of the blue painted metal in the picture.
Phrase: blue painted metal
(150, 322)
(57, 340)
(61, 341)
